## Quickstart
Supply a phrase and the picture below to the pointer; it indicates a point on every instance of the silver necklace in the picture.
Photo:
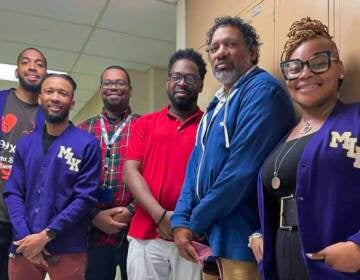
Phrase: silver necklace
(275, 181)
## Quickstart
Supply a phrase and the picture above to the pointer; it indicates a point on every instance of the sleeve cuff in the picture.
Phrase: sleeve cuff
(177, 222)
(355, 238)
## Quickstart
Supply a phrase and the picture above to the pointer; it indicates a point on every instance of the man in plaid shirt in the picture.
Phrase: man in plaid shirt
(108, 244)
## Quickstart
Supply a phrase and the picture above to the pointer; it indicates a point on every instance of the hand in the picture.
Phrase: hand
(164, 228)
(341, 256)
(105, 222)
(123, 216)
(183, 238)
(257, 246)
(32, 244)
(38, 260)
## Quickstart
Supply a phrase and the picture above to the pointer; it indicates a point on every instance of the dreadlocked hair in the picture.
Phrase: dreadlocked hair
(303, 30)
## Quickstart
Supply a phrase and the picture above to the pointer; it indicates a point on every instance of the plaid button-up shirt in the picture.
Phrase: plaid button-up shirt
(121, 194)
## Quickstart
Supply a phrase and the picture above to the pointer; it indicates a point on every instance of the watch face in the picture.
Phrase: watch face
(51, 234)
(131, 209)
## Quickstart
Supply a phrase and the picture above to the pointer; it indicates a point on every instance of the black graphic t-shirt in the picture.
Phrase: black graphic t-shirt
(18, 119)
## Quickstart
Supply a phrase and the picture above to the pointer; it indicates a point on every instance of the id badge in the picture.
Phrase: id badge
(104, 195)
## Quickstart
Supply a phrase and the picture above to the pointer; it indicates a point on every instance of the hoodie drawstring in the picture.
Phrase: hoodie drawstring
(223, 124)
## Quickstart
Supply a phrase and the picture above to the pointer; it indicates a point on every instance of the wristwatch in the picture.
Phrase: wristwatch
(131, 208)
(50, 234)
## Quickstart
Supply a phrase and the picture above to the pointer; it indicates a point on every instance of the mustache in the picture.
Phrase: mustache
(185, 88)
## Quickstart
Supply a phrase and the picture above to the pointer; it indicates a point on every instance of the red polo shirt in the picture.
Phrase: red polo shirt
(163, 145)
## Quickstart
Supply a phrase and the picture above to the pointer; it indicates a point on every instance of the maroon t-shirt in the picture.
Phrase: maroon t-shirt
(18, 119)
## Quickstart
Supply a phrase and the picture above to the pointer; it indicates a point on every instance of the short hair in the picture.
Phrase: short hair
(119, 68)
(192, 55)
(303, 30)
(62, 76)
(34, 49)
(251, 38)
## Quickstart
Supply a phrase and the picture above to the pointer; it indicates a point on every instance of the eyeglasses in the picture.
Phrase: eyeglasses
(116, 83)
(189, 79)
(318, 63)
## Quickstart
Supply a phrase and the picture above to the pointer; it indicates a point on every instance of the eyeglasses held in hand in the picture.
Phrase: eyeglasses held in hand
(189, 79)
(318, 63)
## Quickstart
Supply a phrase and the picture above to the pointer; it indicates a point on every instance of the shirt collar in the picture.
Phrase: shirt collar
(220, 93)
(198, 113)
(121, 117)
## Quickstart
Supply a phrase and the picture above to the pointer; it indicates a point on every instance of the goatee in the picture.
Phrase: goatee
(56, 118)
(33, 88)
(227, 77)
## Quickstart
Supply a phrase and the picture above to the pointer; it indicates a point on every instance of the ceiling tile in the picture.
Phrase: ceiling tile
(57, 60)
(143, 17)
(94, 65)
(78, 11)
(86, 82)
(42, 32)
(135, 34)
(130, 48)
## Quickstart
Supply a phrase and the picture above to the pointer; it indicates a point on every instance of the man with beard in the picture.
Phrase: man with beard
(249, 114)
(108, 245)
(19, 115)
(154, 169)
(51, 189)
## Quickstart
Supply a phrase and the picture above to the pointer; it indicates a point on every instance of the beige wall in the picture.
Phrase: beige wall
(158, 87)
(148, 94)
(272, 19)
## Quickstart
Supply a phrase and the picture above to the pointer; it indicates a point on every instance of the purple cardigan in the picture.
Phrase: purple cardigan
(327, 194)
(54, 190)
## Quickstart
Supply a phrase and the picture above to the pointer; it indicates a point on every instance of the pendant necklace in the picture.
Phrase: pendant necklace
(275, 181)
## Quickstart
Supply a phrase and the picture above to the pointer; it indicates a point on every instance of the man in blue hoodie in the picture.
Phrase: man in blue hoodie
(249, 114)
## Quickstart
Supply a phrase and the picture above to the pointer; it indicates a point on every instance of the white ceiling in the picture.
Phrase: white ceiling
(82, 37)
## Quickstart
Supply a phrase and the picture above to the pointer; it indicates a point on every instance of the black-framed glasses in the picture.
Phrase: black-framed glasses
(318, 63)
(189, 79)
(116, 83)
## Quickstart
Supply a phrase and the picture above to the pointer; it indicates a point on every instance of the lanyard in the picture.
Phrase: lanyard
(104, 133)
(105, 136)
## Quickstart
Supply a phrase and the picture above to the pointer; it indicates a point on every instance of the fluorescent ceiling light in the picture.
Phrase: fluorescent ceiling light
(7, 72)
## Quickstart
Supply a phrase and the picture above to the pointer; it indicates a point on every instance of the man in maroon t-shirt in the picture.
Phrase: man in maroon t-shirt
(154, 169)
(20, 113)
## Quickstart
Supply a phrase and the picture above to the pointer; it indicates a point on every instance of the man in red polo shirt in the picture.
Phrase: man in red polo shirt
(154, 170)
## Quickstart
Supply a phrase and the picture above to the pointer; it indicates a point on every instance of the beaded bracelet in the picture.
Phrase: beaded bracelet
(161, 218)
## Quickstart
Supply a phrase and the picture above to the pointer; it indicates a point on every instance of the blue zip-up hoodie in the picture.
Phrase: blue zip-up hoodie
(218, 198)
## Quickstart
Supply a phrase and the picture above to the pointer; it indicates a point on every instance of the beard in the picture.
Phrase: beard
(33, 88)
(115, 106)
(58, 118)
(227, 77)
(183, 104)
